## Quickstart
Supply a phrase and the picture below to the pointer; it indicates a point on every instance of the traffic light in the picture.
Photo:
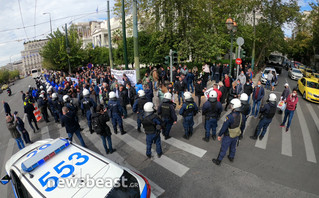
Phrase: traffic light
(166, 60)
(175, 58)
(242, 53)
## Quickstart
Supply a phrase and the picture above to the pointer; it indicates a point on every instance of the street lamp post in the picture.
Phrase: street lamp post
(232, 27)
(50, 20)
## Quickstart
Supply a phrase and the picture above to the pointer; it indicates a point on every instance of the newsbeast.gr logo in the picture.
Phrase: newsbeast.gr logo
(89, 182)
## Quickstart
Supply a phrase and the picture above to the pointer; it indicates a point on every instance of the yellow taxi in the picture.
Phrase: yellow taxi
(4, 87)
(315, 76)
(302, 68)
(309, 88)
(307, 72)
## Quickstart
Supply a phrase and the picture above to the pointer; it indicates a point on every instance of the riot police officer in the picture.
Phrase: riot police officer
(245, 108)
(55, 107)
(188, 111)
(88, 106)
(152, 125)
(167, 111)
(233, 126)
(43, 106)
(267, 113)
(69, 104)
(138, 107)
(211, 110)
(116, 112)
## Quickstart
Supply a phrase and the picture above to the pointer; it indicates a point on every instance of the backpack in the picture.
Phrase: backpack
(95, 124)
(235, 132)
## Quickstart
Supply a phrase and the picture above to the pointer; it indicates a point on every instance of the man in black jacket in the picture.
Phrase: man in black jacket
(28, 109)
(103, 129)
(131, 93)
(248, 89)
(222, 89)
(7, 108)
(123, 98)
(71, 125)
(180, 87)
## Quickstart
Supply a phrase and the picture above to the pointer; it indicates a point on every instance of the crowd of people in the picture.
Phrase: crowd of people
(100, 97)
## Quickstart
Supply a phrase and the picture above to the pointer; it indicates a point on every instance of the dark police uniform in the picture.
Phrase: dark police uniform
(211, 111)
(43, 106)
(167, 112)
(233, 121)
(188, 110)
(86, 104)
(72, 108)
(138, 108)
(56, 109)
(116, 113)
(150, 125)
(245, 110)
(268, 112)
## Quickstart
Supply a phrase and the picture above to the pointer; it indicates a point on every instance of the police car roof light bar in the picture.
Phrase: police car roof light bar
(44, 155)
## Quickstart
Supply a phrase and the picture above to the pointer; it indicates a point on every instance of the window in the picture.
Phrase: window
(21, 191)
(313, 85)
(303, 81)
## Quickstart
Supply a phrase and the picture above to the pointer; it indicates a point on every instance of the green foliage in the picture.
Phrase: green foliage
(6, 75)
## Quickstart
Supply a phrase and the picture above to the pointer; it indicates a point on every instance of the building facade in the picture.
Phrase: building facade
(31, 58)
(306, 26)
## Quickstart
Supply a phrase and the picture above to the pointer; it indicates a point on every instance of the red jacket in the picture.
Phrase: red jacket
(219, 94)
(291, 102)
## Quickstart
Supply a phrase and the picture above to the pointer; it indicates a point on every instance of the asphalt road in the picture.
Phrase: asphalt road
(284, 164)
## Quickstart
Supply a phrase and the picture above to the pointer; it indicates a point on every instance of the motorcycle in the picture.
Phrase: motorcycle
(9, 92)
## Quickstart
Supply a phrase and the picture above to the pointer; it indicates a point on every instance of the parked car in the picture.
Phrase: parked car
(295, 74)
(307, 72)
(309, 89)
(4, 87)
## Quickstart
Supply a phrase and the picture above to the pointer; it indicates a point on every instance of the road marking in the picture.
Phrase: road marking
(198, 121)
(262, 143)
(313, 115)
(222, 119)
(176, 143)
(166, 162)
(286, 144)
(25, 115)
(8, 154)
(310, 153)
(45, 133)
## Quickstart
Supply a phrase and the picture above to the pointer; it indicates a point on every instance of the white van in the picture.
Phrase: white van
(35, 73)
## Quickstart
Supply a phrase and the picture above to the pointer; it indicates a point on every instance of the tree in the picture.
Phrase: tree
(54, 53)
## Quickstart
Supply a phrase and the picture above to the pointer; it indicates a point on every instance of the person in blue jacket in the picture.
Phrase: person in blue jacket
(115, 112)
(152, 125)
(257, 96)
(88, 106)
(167, 111)
(190, 78)
(233, 126)
(139, 85)
(188, 111)
(211, 110)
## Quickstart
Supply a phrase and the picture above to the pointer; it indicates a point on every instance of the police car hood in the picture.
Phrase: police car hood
(87, 167)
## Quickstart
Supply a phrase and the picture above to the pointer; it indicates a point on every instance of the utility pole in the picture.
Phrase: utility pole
(67, 47)
(109, 33)
(124, 35)
(231, 54)
(135, 37)
(171, 64)
(254, 43)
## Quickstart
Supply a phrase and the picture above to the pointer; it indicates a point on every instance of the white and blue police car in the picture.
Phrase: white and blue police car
(60, 168)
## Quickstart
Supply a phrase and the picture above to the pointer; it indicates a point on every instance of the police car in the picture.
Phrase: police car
(60, 168)
(264, 75)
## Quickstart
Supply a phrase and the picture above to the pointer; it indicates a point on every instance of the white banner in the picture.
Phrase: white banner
(73, 80)
(131, 75)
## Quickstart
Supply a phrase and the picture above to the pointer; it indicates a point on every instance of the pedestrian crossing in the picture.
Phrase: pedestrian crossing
(286, 144)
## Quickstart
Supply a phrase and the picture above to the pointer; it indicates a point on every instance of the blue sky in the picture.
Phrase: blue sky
(11, 42)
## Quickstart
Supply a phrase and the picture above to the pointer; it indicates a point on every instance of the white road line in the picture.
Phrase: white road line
(167, 163)
(198, 121)
(313, 115)
(8, 154)
(45, 133)
(221, 121)
(176, 143)
(25, 115)
(286, 144)
(310, 153)
(117, 158)
(262, 143)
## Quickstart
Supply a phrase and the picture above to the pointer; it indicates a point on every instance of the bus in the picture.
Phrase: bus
(35, 73)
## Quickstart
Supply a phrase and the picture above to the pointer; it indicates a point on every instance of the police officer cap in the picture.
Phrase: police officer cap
(141, 93)
(112, 95)
(86, 92)
(187, 95)
(66, 98)
(235, 103)
(272, 97)
(168, 96)
(148, 107)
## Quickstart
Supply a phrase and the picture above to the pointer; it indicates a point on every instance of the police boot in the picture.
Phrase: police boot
(231, 159)
(139, 129)
(216, 161)
(115, 131)
(206, 139)
(261, 137)
(186, 137)
(122, 131)
(214, 137)
(149, 156)
(253, 137)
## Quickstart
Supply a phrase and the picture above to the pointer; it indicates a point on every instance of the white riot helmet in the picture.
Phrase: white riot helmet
(29, 86)
(213, 94)
(41, 87)
(54, 96)
(243, 97)
(141, 93)
(42, 92)
(66, 98)
(41, 96)
(112, 95)
(272, 97)
(148, 107)
(168, 96)
(187, 95)
(236, 104)
(50, 87)
(86, 92)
